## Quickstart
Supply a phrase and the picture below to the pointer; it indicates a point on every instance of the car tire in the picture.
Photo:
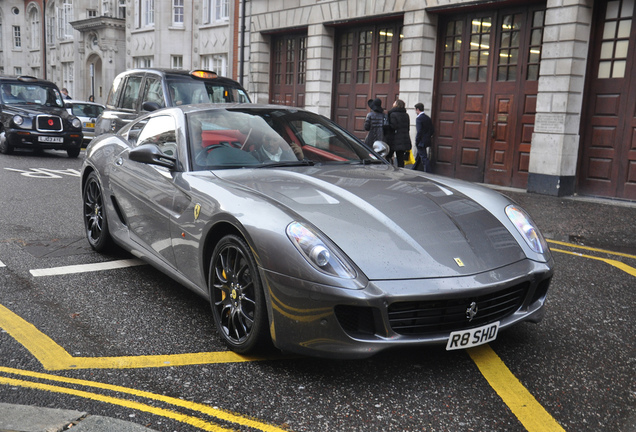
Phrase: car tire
(236, 296)
(95, 222)
(73, 153)
(5, 147)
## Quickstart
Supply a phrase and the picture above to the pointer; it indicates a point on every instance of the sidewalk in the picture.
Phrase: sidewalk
(22, 418)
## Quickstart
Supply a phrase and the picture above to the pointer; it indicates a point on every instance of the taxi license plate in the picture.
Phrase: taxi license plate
(89, 125)
(49, 139)
(473, 337)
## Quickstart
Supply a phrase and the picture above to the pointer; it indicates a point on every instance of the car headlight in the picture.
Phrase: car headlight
(527, 228)
(76, 123)
(318, 252)
(18, 120)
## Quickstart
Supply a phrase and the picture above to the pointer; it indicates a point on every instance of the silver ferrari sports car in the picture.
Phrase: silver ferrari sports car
(302, 237)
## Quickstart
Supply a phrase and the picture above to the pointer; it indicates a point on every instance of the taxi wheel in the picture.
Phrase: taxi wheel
(95, 223)
(5, 147)
(73, 153)
(236, 296)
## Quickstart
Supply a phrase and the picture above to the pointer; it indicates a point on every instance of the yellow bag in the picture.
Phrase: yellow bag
(409, 159)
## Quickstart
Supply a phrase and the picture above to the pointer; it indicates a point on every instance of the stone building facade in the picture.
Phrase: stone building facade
(534, 95)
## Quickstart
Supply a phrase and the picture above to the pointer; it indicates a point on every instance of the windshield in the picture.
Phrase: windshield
(32, 94)
(237, 138)
(193, 91)
(86, 110)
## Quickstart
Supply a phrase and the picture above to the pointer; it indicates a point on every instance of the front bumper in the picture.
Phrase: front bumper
(41, 140)
(312, 319)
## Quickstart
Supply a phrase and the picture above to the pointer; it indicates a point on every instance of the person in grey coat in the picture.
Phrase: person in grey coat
(398, 137)
(374, 121)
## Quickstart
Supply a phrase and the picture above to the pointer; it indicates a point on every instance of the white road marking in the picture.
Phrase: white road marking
(85, 268)
(2, 264)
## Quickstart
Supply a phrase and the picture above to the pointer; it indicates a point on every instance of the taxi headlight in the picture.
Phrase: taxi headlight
(76, 123)
(18, 120)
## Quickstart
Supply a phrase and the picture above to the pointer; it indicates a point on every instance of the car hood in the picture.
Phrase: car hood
(31, 110)
(391, 223)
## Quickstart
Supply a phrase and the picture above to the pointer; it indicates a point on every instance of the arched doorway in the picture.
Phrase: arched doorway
(94, 84)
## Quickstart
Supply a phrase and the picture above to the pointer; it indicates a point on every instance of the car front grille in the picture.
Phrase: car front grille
(48, 123)
(435, 316)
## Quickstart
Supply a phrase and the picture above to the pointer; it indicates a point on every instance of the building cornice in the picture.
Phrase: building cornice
(99, 23)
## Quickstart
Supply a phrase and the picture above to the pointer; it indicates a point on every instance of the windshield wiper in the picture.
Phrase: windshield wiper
(304, 162)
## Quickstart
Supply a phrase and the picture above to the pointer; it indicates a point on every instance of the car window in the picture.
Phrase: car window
(115, 91)
(86, 110)
(131, 93)
(153, 91)
(248, 137)
(160, 131)
(31, 94)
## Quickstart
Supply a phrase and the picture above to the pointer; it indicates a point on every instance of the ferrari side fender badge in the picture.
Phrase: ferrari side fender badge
(197, 211)
(459, 262)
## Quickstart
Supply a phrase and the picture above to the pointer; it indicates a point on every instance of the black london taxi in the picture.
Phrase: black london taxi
(32, 115)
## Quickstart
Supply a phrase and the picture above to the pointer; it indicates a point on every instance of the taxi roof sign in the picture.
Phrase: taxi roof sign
(203, 74)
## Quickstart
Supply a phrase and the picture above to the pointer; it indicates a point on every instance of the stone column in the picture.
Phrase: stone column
(320, 62)
(555, 141)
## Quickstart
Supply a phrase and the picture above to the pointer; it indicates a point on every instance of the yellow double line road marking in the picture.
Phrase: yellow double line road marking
(54, 357)
(618, 264)
(162, 412)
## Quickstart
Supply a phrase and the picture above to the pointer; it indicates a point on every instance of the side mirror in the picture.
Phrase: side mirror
(150, 154)
(150, 106)
(381, 148)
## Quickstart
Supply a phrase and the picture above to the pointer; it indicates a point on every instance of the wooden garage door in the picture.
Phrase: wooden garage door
(486, 94)
(367, 67)
(288, 70)
(608, 158)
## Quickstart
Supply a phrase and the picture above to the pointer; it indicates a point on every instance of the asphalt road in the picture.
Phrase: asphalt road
(130, 344)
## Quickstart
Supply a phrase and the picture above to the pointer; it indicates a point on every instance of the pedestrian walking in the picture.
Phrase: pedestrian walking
(65, 93)
(423, 138)
(398, 137)
(374, 122)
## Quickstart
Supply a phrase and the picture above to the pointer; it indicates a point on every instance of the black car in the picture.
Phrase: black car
(33, 115)
(138, 91)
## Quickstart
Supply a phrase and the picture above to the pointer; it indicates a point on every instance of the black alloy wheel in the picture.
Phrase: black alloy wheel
(95, 223)
(236, 296)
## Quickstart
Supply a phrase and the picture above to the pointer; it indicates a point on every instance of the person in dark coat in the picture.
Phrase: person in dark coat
(423, 138)
(373, 122)
(398, 137)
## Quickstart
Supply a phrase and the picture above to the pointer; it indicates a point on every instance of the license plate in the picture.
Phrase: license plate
(49, 139)
(469, 338)
(89, 125)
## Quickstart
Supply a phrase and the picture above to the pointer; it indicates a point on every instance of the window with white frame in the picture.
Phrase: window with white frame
(64, 18)
(215, 10)
(106, 7)
(216, 63)
(50, 31)
(121, 9)
(34, 20)
(35, 71)
(17, 37)
(176, 61)
(17, 70)
(177, 12)
(68, 75)
(1, 33)
(143, 62)
(91, 13)
(148, 13)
